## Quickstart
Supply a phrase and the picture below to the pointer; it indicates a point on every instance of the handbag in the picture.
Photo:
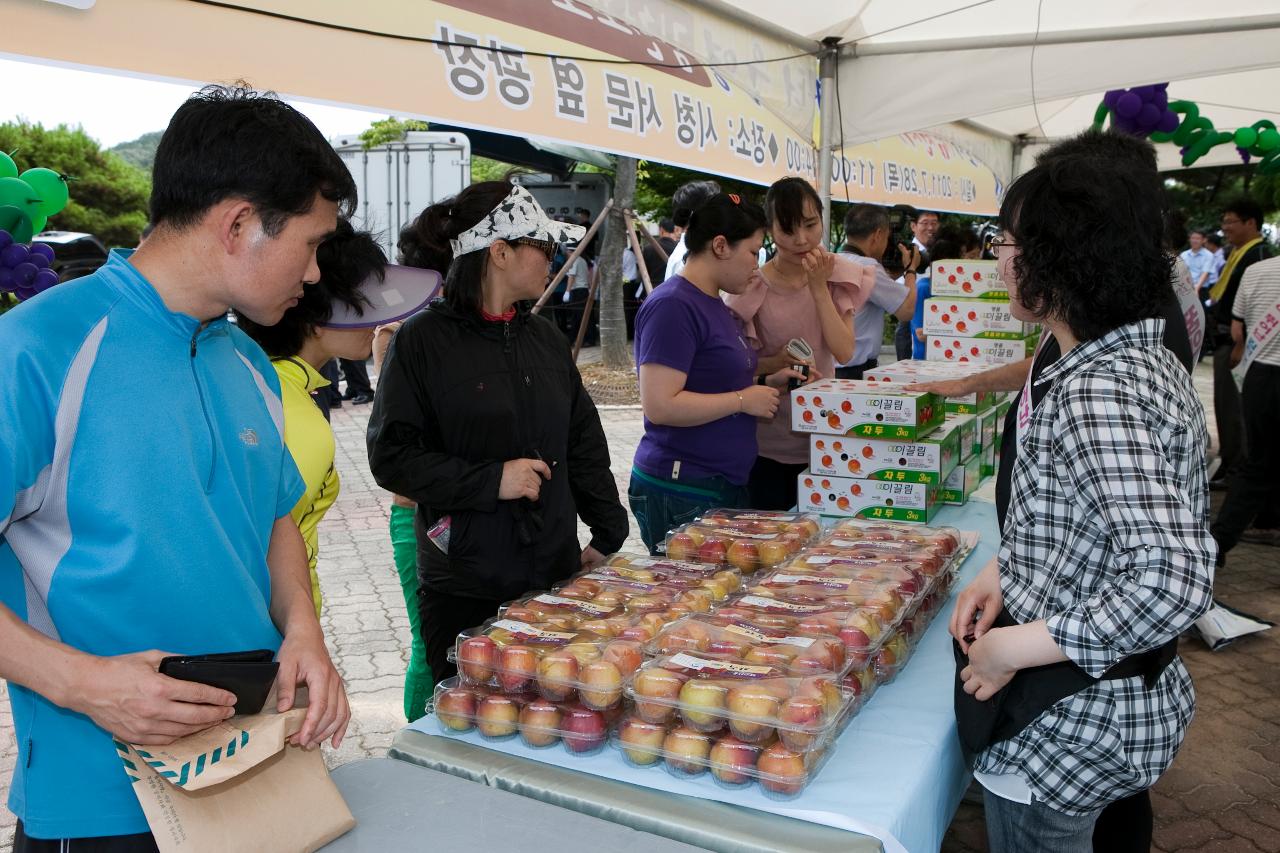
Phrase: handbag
(1034, 690)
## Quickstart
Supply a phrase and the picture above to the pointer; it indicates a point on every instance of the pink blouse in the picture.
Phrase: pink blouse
(773, 317)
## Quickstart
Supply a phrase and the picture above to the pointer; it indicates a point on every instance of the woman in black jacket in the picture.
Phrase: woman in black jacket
(481, 417)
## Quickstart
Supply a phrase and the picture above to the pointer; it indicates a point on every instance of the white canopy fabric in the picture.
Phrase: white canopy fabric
(1036, 69)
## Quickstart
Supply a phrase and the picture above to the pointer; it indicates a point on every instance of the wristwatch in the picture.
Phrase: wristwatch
(760, 379)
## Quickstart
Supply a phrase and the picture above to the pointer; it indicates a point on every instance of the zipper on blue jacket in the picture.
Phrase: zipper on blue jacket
(204, 409)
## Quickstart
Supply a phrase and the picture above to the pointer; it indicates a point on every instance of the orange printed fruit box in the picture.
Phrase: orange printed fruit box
(972, 318)
(928, 460)
(865, 409)
(970, 279)
(962, 350)
(909, 370)
(875, 499)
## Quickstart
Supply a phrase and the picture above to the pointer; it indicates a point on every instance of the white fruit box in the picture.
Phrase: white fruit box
(865, 409)
(962, 483)
(912, 370)
(928, 460)
(962, 350)
(852, 498)
(970, 279)
(974, 318)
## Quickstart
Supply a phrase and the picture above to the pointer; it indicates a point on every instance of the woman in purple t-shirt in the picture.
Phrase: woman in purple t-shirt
(697, 377)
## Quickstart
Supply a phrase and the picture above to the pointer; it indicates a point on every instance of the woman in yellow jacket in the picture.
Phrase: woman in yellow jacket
(335, 318)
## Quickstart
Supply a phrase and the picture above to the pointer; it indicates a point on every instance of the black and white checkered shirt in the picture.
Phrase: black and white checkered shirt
(1108, 540)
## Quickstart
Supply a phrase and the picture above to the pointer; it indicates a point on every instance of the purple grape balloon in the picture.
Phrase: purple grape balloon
(45, 279)
(6, 239)
(23, 292)
(1128, 105)
(8, 281)
(13, 254)
(26, 272)
(43, 249)
(41, 262)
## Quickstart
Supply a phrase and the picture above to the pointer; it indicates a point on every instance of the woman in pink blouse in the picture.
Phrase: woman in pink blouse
(806, 292)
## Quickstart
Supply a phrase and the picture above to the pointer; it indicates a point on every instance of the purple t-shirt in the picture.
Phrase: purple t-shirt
(682, 328)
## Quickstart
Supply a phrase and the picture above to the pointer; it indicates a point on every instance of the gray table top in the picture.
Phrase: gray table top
(706, 824)
(400, 806)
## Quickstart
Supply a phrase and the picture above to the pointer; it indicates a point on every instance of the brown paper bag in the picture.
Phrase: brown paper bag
(238, 786)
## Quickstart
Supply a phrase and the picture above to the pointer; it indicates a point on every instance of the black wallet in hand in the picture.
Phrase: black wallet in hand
(249, 675)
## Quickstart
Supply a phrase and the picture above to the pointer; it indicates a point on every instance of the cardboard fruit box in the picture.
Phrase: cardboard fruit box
(909, 370)
(987, 352)
(972, 318)
(969, 279)
(865, 409)
(851, 498)
(928, 460)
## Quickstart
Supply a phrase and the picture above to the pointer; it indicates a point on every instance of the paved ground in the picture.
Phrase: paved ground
(1223, 792)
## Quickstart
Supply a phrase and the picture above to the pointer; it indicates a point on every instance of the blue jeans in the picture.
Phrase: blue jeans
(661, 505)
(1017, 828)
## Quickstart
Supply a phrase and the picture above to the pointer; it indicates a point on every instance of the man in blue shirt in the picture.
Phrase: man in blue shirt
(145, 515)
(1199, 260)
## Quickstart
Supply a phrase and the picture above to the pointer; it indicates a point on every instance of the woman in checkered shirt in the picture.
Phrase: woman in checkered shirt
(1106, 555)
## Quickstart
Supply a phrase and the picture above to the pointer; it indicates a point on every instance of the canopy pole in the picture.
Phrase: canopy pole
(827, 70)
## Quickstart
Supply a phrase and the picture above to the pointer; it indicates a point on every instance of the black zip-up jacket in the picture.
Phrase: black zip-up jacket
(459, 396)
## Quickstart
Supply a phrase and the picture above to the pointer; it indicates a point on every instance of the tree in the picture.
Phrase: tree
(389, 129)
(1200, 193)
(140, 152)
(613, 324)
(108, 196)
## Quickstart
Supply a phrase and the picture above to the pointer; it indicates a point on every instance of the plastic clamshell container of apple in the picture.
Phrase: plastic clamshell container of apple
(892, 657)
(807, 524)
(910, 576)
(686, 753)
(738, 545)
(629, 571)
(860, 629)
(738, 640)
(517, 657)
(752, 702)
(884, 599)
(946, 539)
(460, 707)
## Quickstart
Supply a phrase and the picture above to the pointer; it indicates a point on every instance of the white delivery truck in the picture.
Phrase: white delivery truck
(396, 180)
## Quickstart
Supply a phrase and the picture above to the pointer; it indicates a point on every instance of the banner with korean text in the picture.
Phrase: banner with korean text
(495, 65)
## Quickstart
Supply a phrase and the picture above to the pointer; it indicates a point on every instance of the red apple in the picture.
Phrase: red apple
(601, 685)
(681, 546)
(583, 730)
(773, 553)
(686, 750)
(702, 704)
(799, 720)
(557, 675)
(540, 723)
(476, 656)
(626, 655)
(782, 771)
(744, 554)
(517, 668)
(752, 710)
(497, 715)
(713, 551)
(641, 741)
(656, 693)
(733, 761)
(456, 708)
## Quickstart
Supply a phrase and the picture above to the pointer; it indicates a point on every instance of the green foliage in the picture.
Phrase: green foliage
(108, 195)
(1200, 193)
(655, 182)
(389, 129)
(487, 169)
(140, 152)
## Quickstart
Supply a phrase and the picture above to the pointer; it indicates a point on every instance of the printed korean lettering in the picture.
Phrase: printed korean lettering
(633, 105)
(514, 80)
(571, 89)
(464, 54)
(892, 176)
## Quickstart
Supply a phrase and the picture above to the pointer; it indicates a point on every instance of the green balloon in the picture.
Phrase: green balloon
(1246, 137)
(1269, 140)
(50, 187)
(37, 224)
(8, 168)
(17, 223)
(19, 193)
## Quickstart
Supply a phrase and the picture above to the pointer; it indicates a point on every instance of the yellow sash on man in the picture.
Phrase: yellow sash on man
(1220, 286)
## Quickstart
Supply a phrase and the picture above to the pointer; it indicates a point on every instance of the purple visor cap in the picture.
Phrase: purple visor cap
(402, 292)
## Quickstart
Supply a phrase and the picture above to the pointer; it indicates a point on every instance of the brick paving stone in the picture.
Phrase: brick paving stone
(1220, 794)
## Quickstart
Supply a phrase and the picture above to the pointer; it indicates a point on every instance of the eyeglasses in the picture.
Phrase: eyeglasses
(547, 247)
(1231, 221)
(997, 245)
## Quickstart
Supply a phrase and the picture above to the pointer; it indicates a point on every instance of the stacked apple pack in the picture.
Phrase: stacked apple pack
(748, 540)
(683, 664)
(894, 449)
